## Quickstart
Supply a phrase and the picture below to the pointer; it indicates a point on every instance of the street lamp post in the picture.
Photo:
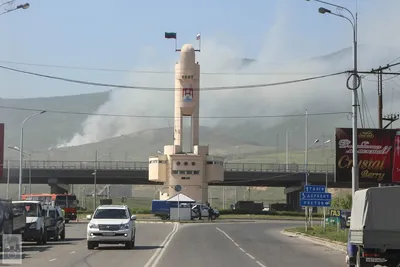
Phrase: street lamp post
(21, 149)
(326, 183)
(95, 181)
(23, 6)
(30, 165)
(356, 84)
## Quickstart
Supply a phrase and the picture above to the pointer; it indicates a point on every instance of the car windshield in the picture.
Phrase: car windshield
(52, 213)
(110, 214)
(66, 201)
(31, 209)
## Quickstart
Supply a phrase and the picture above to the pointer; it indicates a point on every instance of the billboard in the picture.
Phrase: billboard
(1, 149)
(378, 155)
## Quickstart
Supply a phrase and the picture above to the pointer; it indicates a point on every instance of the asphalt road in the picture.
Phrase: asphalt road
(250, 244)
(73, 251)
(244, 244)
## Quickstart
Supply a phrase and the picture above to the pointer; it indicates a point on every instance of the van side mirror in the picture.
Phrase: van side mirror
(133, 218)
(88, 217)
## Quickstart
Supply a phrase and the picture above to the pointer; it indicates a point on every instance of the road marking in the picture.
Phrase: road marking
(248, 255)
(160, 251)
(72, 252)
(53, 259)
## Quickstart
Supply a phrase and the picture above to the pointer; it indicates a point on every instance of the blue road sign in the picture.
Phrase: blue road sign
(315, 196)
(315, 203)
(178, 188)
(314, 188)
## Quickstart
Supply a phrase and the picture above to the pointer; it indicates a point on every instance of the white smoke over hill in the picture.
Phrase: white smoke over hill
(323, 95)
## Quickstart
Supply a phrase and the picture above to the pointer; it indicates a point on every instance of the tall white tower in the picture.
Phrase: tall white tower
(195, 169)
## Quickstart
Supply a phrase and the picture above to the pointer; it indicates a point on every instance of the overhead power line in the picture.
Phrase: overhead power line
(153, 71)
(168, 89)
(169, 117)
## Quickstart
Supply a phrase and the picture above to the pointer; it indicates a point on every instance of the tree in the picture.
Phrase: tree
(342, 202)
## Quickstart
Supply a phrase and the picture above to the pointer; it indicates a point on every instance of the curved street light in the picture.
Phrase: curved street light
(353, 21)
(21, 150)
(23, 6)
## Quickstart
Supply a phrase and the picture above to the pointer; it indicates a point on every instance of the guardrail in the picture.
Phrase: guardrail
(129, 165)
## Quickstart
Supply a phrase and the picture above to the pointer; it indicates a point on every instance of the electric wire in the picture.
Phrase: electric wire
(152, 71)
(169, 89)
(171, 117)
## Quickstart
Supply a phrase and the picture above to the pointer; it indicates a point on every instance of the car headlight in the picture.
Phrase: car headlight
(33, 226)
(124, 226)
(93, 226)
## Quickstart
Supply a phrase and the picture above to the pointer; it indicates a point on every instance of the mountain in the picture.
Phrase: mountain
(49, 129)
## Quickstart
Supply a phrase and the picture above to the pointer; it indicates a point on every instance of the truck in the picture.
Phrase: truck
(67, 202)
(374, 233)
(37, 223)
(12, 219)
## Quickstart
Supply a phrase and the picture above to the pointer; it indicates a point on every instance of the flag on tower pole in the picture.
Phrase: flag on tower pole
(198, 36)
(170, 35)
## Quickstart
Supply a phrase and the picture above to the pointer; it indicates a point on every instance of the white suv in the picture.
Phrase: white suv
(111, 224)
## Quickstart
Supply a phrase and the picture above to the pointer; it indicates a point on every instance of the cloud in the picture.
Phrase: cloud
(329, 94)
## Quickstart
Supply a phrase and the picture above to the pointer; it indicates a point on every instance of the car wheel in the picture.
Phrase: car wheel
(90, 245)
(129, 245)
(62, 235)
(45, 237)
(133, 242)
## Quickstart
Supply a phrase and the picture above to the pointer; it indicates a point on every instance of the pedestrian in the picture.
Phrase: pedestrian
(210, 213)
(199, 212)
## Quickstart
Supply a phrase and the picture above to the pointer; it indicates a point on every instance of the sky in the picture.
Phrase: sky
(125, 34)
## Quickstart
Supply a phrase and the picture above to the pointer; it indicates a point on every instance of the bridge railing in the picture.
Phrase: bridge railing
(129, 165)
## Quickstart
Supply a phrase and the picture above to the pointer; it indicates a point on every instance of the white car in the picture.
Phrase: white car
(111, 224)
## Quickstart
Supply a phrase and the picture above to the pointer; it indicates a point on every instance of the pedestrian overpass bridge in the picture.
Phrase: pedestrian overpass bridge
(57, 174)
(128, 172)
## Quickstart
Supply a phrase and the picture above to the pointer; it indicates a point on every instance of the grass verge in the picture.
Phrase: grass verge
(261, 217)
(331, 233)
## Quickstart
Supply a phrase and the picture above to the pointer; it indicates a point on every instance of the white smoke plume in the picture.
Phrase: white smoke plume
(282, 45)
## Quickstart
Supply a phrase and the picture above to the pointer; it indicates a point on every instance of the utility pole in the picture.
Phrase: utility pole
(391, 118)
(287, 151)
(379, 72)
(277, 150)
(380, 99)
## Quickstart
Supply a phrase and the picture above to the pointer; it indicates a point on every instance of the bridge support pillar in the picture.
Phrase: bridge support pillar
(293, 198)
(56, 188)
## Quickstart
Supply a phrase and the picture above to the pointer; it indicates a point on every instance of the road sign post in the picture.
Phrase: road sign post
(178, 188)
(315, 196)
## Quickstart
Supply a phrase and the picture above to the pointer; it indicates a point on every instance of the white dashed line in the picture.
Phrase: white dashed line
(249, 255)
(53, 259)
(72, 252)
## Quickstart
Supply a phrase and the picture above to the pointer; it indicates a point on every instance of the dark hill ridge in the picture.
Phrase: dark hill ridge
(138, 146)
(48, 129)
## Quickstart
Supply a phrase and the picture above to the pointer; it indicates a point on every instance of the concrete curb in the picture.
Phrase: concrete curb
(317, 240)
(153, 222)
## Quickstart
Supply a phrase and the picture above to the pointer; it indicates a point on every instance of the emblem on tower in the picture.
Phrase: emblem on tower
(187, 94)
